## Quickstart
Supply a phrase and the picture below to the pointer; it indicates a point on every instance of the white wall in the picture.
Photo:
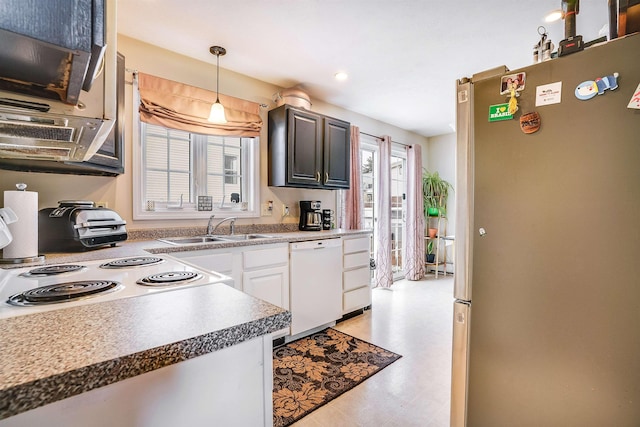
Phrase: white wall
(441, 157)
(117, 192)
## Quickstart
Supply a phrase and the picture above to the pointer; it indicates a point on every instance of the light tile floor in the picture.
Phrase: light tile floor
(413, 319)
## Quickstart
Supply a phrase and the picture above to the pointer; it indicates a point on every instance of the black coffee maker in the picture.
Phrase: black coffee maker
(310, 216)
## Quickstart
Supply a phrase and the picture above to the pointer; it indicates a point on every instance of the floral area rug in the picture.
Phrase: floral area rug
(316, 369)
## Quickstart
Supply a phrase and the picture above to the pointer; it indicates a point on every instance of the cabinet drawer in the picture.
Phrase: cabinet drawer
(356, 278)
(265, 257)
(358, 259)
(356, 299)
(356, 245)
(220, 263)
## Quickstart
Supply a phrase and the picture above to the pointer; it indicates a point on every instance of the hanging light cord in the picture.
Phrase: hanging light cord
(217, 76)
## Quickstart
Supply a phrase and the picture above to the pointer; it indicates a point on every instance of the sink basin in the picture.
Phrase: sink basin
(244, 236)
(209, 239)
(191, 240)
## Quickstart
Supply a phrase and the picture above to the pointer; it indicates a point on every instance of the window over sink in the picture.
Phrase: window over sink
(186, 167)
(176, 168)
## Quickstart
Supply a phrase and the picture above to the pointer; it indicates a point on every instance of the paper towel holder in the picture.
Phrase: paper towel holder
(21, 186)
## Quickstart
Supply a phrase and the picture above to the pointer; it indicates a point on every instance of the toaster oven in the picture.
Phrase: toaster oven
(78, 225)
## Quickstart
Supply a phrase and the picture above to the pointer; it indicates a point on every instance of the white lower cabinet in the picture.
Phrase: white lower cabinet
(264, 271)
(265, 275)
(268, 284)
(260, 271)
(356, 276)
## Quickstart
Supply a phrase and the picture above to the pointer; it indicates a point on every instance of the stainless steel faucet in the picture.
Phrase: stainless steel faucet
(232, 225)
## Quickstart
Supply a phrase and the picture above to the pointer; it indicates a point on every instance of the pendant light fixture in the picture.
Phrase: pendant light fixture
(217, 110)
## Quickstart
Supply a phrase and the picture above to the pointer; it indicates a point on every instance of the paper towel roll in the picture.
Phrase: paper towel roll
(25, 229)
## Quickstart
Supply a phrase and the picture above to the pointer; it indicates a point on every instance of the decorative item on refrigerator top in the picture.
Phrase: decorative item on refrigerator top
(77, 225)
(310, 216)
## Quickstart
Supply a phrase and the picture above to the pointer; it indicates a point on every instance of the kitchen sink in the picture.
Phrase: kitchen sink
(210, 239)
(191, 240)
(244, 236)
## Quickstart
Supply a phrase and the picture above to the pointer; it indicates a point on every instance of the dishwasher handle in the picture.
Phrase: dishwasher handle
(315, 244)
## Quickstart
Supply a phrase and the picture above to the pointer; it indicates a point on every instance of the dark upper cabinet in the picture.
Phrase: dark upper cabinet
(51, 48)
(337, 153)
(304, 148)
(308, 150)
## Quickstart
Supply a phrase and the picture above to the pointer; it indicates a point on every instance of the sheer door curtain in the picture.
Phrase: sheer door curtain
(353, 205)
(414, 267)
(384, 273)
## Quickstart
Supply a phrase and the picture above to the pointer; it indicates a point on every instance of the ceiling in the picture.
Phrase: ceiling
(402, 56)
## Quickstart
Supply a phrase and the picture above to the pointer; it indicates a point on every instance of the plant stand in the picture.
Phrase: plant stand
(436, 222)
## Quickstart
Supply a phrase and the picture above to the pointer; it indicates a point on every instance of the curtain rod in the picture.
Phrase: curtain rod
(379, 137)
(135, 72)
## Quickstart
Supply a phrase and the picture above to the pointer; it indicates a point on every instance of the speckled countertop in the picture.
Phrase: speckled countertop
(143, 242)
(146, 241)
(57, 354)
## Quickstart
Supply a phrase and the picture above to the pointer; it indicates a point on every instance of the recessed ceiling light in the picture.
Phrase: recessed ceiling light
(553, 16)
(341, 76)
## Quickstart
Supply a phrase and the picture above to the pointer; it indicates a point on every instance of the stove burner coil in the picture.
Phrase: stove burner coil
(131, 262)
(63, 292)
(51, 270)
(169, 278)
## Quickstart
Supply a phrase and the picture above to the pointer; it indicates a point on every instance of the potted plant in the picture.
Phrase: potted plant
(435, 192)
(431, 257)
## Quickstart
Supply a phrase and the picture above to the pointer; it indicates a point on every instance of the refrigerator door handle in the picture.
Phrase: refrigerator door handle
(464, 192)
(460, 363)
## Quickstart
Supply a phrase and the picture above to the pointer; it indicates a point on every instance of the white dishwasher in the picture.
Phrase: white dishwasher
(315, 279)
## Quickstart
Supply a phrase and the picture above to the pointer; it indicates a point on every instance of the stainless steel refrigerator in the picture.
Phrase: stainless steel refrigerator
(547, 263)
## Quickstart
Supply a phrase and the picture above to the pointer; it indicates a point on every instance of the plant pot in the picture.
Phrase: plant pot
(433, 212)
(431, 258)
(432, 232)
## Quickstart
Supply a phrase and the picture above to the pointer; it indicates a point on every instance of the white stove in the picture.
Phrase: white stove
(51, 287)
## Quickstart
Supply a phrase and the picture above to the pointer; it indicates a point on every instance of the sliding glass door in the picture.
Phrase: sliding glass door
(368, 170)
(398, 209)
(398, 185)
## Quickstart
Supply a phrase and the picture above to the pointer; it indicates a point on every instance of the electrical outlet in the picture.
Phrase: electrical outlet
(102, 204)
(285, 210)
(265, 211)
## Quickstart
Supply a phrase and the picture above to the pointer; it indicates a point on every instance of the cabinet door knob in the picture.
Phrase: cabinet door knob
(317, 176)
(326, 177)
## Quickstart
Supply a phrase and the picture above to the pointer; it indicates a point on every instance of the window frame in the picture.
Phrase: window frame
(231, 178)
(249, 165)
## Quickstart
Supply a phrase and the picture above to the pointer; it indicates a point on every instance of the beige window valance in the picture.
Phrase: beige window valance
(179, 106)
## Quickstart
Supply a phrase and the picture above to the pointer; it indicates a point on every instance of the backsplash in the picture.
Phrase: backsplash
(159, 233)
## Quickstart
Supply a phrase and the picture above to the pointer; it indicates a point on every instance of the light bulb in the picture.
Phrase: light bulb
(217, 113)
